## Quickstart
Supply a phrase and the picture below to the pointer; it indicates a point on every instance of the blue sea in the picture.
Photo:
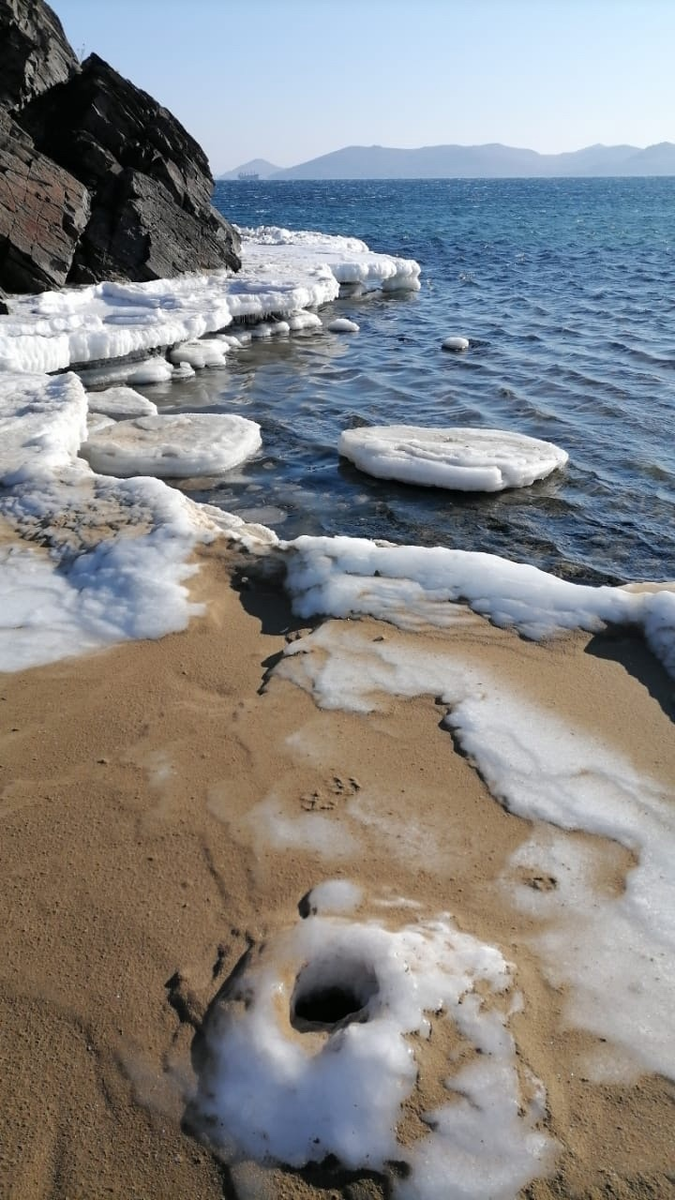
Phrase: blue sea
(565, 288)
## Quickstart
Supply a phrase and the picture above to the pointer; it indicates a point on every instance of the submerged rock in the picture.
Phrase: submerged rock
(97, 180)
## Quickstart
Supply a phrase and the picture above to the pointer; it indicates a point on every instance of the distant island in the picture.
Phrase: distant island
(257, 168)
(465, 162)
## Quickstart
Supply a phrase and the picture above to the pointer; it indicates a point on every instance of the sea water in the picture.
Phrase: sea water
(564, 288)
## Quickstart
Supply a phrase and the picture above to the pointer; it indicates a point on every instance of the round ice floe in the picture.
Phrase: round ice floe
(456, 343)
(173, 446)
(468, 460)
(343, 325)
(120, 402)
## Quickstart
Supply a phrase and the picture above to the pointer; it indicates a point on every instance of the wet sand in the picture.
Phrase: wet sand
(137, 866)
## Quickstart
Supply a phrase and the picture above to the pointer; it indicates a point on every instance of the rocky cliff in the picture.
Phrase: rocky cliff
(97, 180)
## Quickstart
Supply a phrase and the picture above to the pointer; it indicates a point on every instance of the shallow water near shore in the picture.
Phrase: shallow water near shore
(561, 285)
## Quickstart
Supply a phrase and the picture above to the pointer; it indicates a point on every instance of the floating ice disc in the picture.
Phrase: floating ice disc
(173, 447)
(467, 460)
(343, 325)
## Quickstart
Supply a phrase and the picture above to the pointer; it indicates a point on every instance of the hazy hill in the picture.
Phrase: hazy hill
(489, 161)
(257, 166)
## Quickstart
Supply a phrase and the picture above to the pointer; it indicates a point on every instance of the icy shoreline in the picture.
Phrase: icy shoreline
(94, 591)
(91, 559)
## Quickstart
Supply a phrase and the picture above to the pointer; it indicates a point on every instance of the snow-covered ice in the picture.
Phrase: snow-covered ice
(174, 446)
(287, 1079)
(413, 586)
(205, 352)
(94, 560)
(283, 274)
(342, 325)
(470, 460)
(120, 402)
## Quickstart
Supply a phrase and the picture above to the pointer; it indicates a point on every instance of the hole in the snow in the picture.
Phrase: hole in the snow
(329, 994)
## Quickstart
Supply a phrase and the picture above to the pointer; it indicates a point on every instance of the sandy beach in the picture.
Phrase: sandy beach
(157, 802)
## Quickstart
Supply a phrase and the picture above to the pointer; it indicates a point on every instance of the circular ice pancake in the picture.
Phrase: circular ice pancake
(467, 460)
(173, 447)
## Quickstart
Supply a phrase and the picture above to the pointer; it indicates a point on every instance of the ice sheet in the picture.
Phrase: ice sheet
(470, 460)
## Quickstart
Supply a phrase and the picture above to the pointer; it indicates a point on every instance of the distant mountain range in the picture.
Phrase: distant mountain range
(462, 162)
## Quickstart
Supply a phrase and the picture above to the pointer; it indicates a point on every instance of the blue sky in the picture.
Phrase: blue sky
(288, 80)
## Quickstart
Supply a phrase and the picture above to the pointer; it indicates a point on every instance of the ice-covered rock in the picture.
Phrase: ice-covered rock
(469, 460)
(173, 447)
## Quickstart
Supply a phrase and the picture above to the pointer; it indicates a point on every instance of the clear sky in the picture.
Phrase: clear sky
(287, 80)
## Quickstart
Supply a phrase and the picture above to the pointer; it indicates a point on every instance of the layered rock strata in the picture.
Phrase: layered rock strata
(97, 180)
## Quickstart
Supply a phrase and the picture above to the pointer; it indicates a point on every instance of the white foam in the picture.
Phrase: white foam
(271, 1092)
(485, 460)
(175, 446)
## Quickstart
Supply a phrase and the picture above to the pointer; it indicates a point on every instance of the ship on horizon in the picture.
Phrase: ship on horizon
(248, 175)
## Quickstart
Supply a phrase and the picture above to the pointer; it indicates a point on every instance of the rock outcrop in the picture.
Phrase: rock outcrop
(97, 180)
(34, 52)
(43, 212)
(149, 179)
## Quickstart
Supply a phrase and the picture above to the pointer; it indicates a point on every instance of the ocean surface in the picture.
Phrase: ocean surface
(566, 290)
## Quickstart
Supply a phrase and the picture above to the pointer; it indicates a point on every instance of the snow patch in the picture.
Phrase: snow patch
(317, 1061)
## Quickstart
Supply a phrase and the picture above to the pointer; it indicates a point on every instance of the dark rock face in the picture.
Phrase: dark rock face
(97, 180)
(43, 211)
(34, 52)
(150, 180)
(3, 307)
